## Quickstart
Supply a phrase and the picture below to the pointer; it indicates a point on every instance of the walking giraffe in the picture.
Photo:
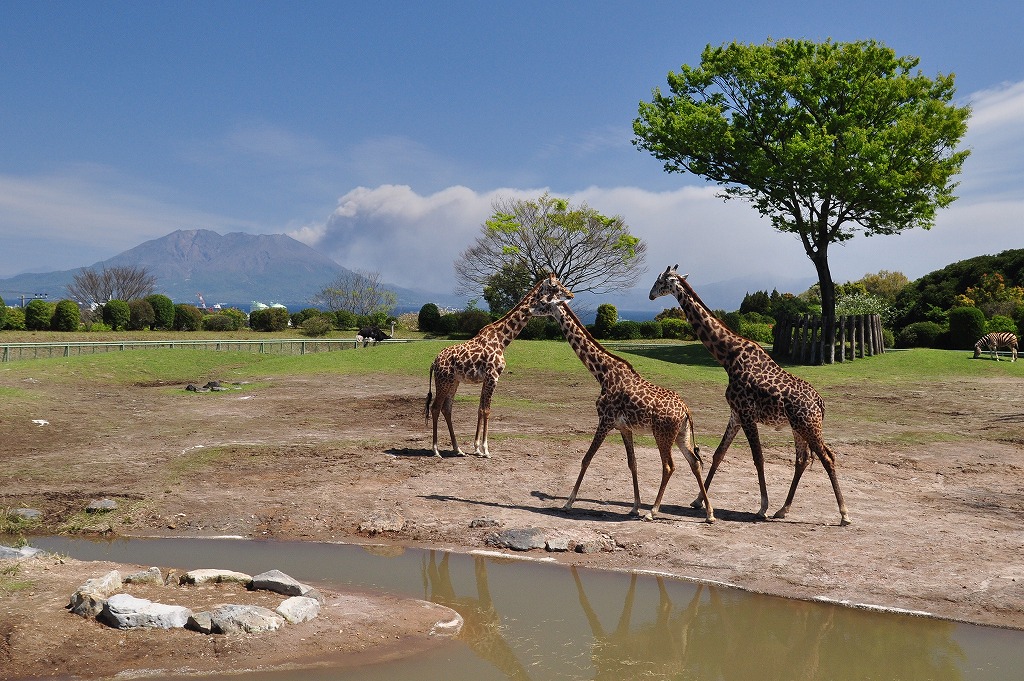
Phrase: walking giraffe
(481, 359)
(759, 391)
(630, 404)
(993, 341)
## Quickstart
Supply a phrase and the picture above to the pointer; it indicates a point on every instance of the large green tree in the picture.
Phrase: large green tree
(587, 250)
(824, 139)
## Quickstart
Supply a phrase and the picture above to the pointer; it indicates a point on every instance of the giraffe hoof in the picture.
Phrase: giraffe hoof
(646, 517)
(710, 520)
(779, 515)
(697, 503)
(844, 521)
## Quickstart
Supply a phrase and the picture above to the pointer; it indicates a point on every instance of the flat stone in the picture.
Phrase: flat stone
(213, 576)
(523, 539)
(101, 506)
(558, 544)
(27, 513)
(10, 552)
(125, 611)
(244, 619)
(299, 609)
(150, 576)
(280, 583)
(484, 522)
(383, 521)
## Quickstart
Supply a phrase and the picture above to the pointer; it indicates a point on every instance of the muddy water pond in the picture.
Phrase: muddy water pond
(531, 620)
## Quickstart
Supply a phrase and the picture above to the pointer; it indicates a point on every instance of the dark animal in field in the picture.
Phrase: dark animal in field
(371, 334)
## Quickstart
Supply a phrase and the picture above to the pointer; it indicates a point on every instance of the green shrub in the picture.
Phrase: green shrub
(97, 327)
(38, 315)
(888, 340)
(140, 315)
(237, 317)
(471, 321)
(3, 312)
(757, 331)
(117, 314)
(734, 320)
(1000, 323)
(269, 319)
(163, 311)
(650, 329)
(672, 327)
(966, 326)
(607, 318)
(305, 313)
(627, 329)
(315, 326)
(429, 318)
(218, 322)
(14, 320)
(919, 335)
(343, 319)
(541, 328)
(187, 317)
(66, 316)
(447, 325)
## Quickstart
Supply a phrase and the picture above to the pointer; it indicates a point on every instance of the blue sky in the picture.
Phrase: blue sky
(380, 133)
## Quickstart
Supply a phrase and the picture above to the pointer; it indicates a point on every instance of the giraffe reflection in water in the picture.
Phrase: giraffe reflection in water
(482, 628)
(721, 633)
(672, 629)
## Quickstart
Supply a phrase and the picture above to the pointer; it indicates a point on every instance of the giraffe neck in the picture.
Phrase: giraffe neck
(505, 330)
(722, 343)
(598, 361)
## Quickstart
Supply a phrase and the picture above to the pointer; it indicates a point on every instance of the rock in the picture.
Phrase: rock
(280, 583)
(209, 576)
(125, 611)
(595, 545)
(11, 553)
(244, 619)
(101, 506)
(484, 522)
(191, 388)
(523, 539)
(89, 599)
(150, 576)
(201, 622)
(299, 609)
(383, 521)
(27, 513)
(557, 544)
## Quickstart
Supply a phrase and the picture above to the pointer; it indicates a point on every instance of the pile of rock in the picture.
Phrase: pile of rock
(105, 599)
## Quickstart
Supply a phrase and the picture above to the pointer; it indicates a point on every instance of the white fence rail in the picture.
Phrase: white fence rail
(285, 346)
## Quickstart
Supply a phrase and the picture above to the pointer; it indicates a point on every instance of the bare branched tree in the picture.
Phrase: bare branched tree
(585, 249)
(359, 292)
(125, 282)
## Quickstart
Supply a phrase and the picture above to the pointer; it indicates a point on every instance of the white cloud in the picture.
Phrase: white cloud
(83, 214)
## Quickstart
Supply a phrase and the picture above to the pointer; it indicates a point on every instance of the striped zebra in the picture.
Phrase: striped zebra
(993, 341)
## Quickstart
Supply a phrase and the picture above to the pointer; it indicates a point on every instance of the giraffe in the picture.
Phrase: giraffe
(630, 404)
(759, 391)
(481, 359)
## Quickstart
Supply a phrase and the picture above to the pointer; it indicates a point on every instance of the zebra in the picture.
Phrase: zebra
(993, 341)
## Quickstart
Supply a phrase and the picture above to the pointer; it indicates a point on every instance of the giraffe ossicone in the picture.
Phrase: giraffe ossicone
(481, 359)
(759, 391)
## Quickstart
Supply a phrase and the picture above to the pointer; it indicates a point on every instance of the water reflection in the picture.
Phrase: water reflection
(482, 628)
(526, 621)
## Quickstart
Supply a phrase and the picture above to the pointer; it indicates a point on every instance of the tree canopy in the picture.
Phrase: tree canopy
(585, 249)
(360, 293)
(100, 286)
(824, 139)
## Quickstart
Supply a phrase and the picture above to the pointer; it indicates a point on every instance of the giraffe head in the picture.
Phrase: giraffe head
(550, 291)
(667, 282)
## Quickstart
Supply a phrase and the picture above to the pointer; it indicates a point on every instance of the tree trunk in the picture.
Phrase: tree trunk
(828, 306)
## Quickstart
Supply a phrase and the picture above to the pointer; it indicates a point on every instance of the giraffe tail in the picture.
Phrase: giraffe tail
(430, 394)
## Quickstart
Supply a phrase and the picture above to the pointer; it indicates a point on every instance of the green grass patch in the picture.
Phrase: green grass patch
(9, 581)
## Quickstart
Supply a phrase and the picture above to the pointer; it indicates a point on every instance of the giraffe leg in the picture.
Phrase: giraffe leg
(627, 440)
(602, 430)
(686, 446)
(446, 409)
(664, 441)
(482, 414)
(828, 460)
(731, 429)
(800, 465)
(435, 412)
(750, 430)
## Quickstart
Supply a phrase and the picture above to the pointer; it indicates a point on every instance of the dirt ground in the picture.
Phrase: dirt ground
(932, 476)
